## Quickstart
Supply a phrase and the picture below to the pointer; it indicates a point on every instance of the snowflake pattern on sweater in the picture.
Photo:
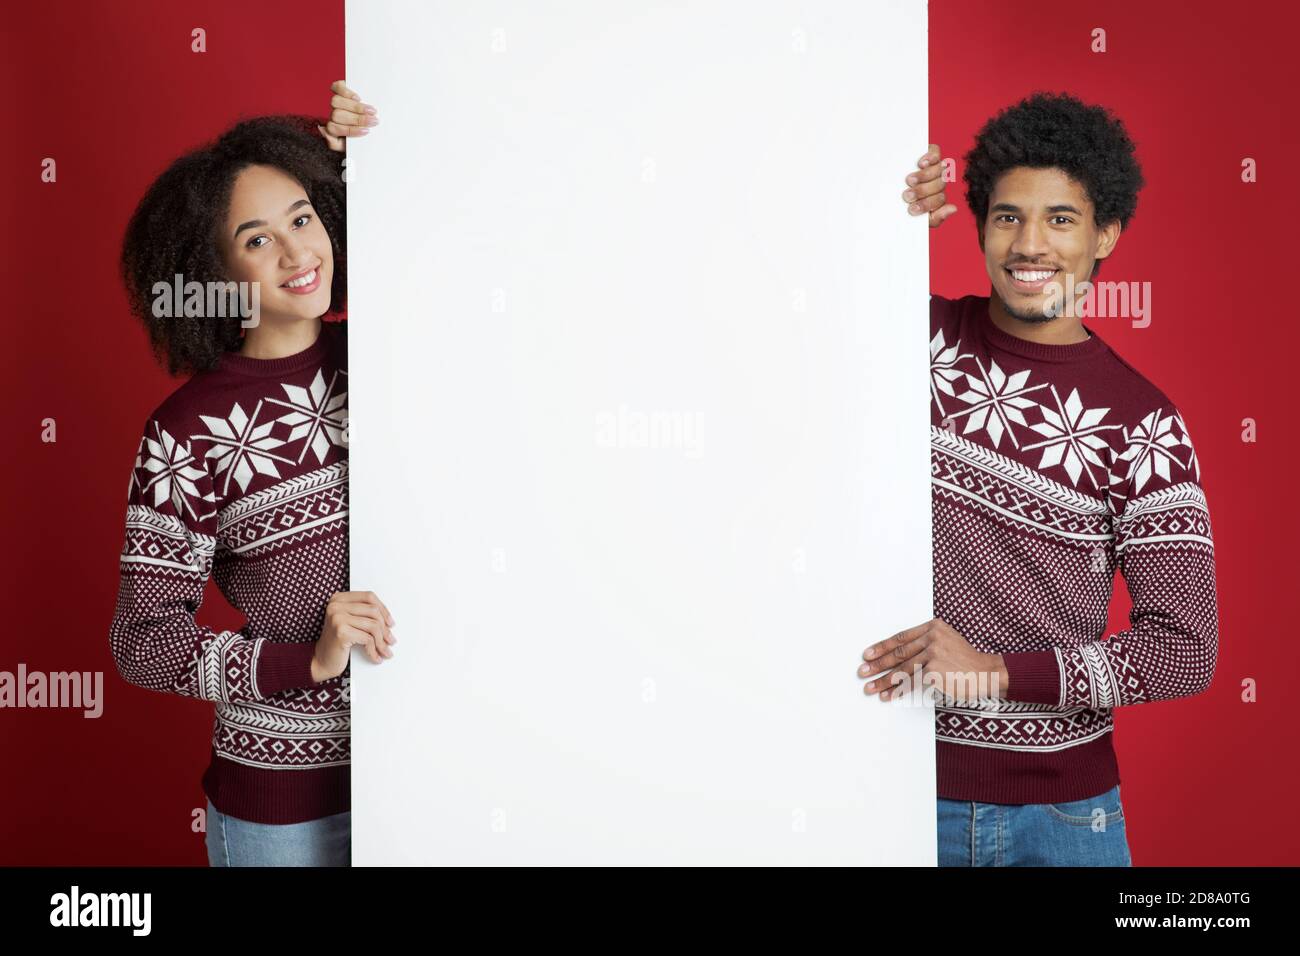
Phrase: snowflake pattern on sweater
(242, 476)
(1051, 467)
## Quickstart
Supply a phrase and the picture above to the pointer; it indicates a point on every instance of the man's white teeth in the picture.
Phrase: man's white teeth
(1031, 276)
(305, 280)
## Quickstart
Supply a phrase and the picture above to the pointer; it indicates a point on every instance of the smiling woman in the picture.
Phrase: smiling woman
(290, 258)
(241, 476)
(268, 200)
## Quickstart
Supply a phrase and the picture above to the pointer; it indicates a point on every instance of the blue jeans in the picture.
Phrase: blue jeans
(1088, 832)
(235, 842)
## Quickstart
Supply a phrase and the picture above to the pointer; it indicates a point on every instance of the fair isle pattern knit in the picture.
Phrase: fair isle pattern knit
(242, 476)
(1051, 467)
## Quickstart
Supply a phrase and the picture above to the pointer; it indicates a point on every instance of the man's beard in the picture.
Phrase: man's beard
(1034, 315)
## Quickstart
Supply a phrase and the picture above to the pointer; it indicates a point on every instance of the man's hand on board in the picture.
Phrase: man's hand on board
(924, 191)
(935, 655)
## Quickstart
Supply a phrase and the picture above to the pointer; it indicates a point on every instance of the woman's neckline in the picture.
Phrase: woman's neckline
(245, 365)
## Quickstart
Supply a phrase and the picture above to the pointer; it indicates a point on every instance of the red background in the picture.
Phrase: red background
(113, 93)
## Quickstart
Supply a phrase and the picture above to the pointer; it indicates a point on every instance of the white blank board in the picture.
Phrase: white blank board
(639, 431)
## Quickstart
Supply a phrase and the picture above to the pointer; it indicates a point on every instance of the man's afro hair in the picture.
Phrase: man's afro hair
(1087, 143)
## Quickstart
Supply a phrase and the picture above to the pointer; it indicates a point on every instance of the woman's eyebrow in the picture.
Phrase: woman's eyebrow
(254, 223)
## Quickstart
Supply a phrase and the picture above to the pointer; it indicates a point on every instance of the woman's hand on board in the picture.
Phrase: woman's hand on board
(348, 117)
(352, 618)
(924, 192)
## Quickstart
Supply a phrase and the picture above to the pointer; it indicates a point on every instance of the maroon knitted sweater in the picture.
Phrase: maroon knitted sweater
(1051, 467)
(242, 474)
(1039, 493)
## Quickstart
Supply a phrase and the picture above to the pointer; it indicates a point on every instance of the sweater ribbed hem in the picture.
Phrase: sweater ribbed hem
(259, 795)
(990, 775)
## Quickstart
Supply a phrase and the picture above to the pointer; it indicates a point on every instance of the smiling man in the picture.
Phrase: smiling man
(1054, 463)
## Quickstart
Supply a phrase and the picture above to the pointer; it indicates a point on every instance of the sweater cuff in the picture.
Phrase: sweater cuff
(283, 666)
(1034, 677)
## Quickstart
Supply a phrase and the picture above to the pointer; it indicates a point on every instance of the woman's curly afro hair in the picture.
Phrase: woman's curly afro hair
(175, 229)
(1087, 143)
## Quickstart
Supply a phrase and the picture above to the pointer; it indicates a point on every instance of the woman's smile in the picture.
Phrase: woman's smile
(304, 283)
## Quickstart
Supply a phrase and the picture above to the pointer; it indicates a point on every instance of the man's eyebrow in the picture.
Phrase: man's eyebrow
(1060, 207)
(254, 223)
